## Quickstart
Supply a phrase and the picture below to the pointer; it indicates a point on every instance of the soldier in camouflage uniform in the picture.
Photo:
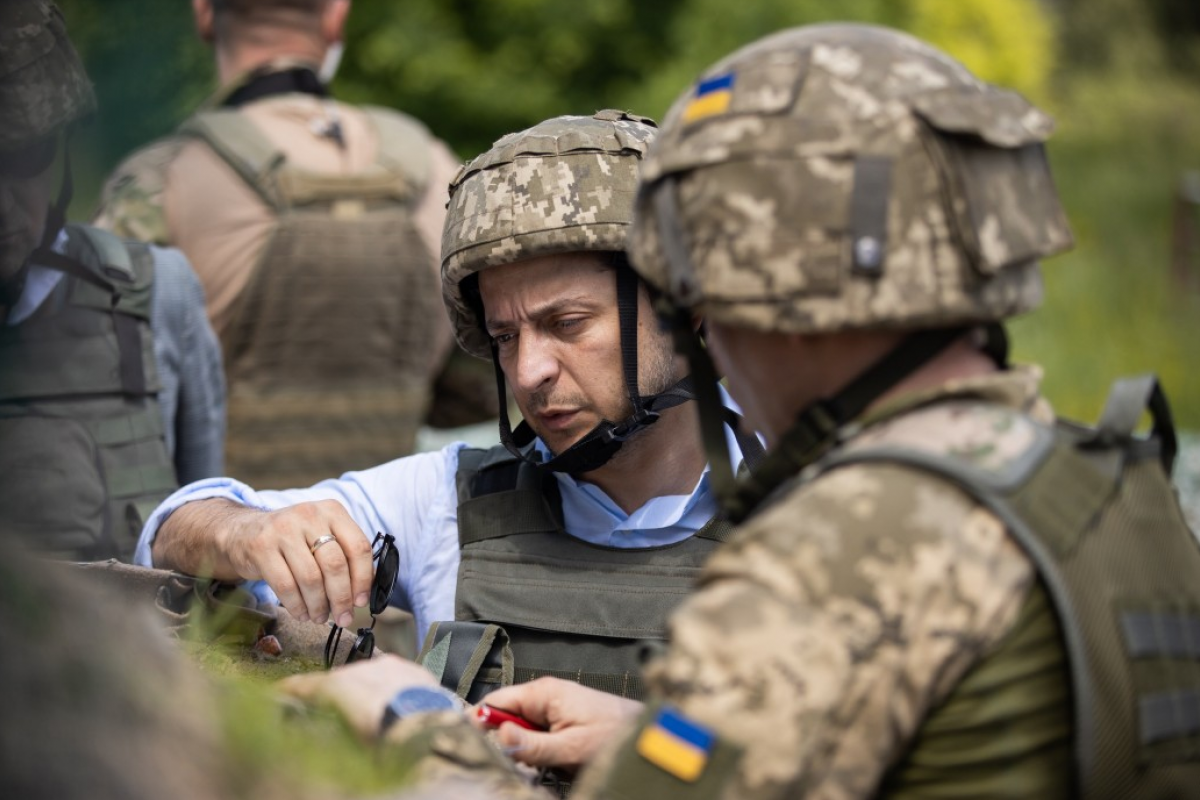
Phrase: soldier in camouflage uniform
(557, 551)
(111, 388)
(937, 590)
(314, 226)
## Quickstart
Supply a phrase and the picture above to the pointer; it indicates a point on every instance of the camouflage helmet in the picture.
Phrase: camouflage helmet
(564, 185)
(43, 86)
(838, 177)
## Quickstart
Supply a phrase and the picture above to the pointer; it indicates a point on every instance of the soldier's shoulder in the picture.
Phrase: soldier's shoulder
(131, 202)
(986, 437)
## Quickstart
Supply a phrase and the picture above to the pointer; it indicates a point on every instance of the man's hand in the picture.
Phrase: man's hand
(360, 691)
(232, 542)
(580, 721)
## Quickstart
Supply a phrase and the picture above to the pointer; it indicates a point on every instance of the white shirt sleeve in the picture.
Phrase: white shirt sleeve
(413, 498)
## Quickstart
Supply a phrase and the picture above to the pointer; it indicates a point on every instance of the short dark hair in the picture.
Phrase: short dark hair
(229, 15)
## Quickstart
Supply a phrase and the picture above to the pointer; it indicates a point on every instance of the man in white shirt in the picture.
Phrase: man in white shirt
(577, 535)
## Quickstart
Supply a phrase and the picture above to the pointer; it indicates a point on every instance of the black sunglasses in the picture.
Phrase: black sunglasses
(387, 564)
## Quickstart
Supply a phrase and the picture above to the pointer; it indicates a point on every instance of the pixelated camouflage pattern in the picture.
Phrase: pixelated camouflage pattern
(43, 86)
(765, 189)
(834, 621)
(564, 185)
(452, 759)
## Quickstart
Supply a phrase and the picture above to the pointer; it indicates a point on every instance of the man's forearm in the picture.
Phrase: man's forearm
(197, 538)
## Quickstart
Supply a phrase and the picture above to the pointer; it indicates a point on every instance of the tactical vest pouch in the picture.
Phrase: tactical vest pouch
(53, 492)
(471, 659)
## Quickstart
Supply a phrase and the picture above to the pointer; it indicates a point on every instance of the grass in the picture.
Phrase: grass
(1112, 308)
(262, 732)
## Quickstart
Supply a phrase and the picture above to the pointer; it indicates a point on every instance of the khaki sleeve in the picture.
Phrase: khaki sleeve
(821, 635)
(451, 759)
(131, 203)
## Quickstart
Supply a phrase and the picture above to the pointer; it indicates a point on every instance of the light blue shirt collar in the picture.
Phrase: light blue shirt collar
(39, 283)
(591, 515)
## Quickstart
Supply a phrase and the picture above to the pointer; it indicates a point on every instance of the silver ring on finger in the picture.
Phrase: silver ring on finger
(322, 540)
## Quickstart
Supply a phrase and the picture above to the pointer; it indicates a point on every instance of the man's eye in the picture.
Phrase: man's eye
(566, 324)
(503, 338)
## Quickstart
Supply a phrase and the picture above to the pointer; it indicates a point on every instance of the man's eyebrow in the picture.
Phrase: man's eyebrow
(579, 302)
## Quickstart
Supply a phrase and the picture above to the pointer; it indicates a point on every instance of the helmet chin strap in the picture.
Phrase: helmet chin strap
(818, 426)
(599, 446)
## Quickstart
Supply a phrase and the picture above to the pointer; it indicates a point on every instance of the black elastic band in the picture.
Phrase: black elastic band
(268, 83)
(627, 314)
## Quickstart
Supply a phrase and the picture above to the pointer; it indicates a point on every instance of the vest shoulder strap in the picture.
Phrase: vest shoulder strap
(1066, 503)
(404, 144)
(241, 145)
(127, 266)
(499, 496)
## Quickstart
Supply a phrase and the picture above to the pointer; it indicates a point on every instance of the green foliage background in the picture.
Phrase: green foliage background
(1119, 75)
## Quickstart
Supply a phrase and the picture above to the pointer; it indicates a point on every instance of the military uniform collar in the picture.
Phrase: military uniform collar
(1017, 387)
(281, 64)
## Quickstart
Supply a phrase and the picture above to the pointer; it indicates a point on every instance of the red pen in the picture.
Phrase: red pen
(493, 717)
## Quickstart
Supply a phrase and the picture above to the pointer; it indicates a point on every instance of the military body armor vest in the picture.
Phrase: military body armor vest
(1096, 691)
(83, 459)
(533, 600)
(328, 354)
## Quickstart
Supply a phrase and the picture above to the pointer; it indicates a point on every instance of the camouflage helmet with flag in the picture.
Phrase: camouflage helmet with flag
(564, 185)
(43, 86)
(843, 176)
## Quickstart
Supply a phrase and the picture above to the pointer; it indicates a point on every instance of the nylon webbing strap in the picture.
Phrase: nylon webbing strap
(712, 432)
(816, 427)
(625, 684)
(1128, 399)
(129, 346)
(627, 314)
(57, 217)
(1168, 715)
(868, 213)
(1168, 634)
(718, 529)
(129, 338)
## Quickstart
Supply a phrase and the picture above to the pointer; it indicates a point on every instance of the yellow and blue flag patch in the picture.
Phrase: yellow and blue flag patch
(675, 744)
(712, 97)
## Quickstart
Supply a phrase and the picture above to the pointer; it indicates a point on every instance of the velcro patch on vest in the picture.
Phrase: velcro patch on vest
(676, 744)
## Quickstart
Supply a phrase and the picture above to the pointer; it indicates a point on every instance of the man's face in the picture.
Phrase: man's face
(26, 185)
(555, 323)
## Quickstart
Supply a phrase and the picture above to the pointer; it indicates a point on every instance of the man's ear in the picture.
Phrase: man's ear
(202, 13)
(333, 20)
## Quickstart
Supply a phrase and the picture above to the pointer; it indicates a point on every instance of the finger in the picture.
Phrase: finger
(305, 686)
(535, 748)
(278, 575)
(309, 581)
(529, 700)
(356, 552)
(335, 574)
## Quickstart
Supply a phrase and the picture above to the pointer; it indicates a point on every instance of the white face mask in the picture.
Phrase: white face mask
(331, 62)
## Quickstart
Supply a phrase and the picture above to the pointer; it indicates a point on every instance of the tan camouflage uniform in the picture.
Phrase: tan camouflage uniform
(823, 634)
(178, 191)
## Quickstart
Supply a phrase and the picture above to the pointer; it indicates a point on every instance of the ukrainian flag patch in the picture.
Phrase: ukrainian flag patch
(712, 97)
(676, 745)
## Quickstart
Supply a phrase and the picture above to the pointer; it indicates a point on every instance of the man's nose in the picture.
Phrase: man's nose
(537, 363)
